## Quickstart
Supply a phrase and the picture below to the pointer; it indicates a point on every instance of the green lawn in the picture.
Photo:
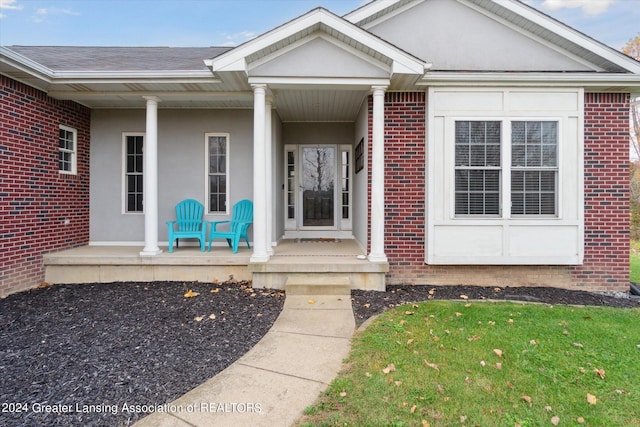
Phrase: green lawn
(447, 363)
(635, 261)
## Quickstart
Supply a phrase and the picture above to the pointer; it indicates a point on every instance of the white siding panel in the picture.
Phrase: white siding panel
(469, 101)
(468, 241)
(544, 102)
(541, 241)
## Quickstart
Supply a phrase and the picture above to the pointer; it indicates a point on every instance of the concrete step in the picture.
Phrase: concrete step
(317, 284)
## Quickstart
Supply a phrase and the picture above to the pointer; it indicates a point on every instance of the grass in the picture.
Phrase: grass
(635, 261)
(437, 364)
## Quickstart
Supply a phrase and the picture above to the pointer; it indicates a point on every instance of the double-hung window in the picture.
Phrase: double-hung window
(67, 154)
(217, 146)
(133, 173)
(533, 168)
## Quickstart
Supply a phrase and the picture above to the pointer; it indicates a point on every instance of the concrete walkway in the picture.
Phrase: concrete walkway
(279, 377)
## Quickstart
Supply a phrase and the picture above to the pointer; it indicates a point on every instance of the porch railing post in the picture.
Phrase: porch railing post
(377, 177)
(150, 174)
(259, 175)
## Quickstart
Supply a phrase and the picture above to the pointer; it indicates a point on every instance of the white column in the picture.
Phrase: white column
(151, 179)
(269, 170)
(259, 176)
(377, 177)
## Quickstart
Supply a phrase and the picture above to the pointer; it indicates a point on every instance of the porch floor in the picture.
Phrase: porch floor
(103, 264)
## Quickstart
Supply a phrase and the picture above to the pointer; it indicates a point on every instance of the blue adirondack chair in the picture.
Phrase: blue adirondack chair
(241, 220)
(188, 223)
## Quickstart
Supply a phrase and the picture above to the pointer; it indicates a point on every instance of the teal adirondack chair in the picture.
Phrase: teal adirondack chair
(241, 220)
(188, 223)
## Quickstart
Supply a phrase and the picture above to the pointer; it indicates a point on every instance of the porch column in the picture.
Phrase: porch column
(150, 176)
(269, 171)
(377, 177)
(259, 175)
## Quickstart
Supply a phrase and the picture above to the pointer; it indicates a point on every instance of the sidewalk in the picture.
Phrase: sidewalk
(279, 377)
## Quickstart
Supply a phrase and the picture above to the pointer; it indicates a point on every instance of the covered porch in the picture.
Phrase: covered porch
(337, 258)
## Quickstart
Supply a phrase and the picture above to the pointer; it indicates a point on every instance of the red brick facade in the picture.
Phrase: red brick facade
(606, 260)
(41, 210)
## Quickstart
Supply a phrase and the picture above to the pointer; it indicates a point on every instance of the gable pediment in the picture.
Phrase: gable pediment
(457, 37)
(320, 56)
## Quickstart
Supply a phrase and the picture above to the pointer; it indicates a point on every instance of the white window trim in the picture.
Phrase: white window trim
(74, 152)
(124, 171)
(206, 173)
(505, 169)
(447, 242)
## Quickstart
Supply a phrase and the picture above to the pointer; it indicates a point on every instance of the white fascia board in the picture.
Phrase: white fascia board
(325, 82)
(24, 64)
(530, 79)
(368, 10)
(234, 60)
(168, 76)
(572, 35)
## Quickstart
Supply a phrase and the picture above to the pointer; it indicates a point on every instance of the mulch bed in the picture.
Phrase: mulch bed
(367, 304)
(120, 343)
(113, 344)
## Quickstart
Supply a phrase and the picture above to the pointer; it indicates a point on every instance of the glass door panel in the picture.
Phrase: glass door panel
(318, 186)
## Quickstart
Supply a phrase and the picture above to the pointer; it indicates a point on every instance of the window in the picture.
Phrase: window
(217, 162)
(133, 176)
(67, 143)
(533, 168)
(477, 175)
(534, 162)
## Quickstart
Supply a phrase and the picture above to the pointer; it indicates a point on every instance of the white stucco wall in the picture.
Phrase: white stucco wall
(453, 36)
(360, 179)
(181, 166)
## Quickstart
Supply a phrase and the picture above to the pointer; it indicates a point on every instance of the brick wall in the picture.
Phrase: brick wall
(606, 262)
(36, 201)
(606, 193)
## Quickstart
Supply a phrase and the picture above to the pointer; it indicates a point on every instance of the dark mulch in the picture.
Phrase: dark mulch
(110, 345)
(120, 343)
(367, 303)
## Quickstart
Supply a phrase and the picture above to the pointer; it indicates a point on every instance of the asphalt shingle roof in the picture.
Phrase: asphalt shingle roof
(84, 58)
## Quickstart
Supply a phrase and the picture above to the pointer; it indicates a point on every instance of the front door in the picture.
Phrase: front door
(317, 191)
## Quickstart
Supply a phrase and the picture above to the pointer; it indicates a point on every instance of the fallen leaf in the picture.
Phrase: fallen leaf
(578, 345)
(458, 314)
(591, 399)
(198, 318)
(398, 383)
(390, 368)
(311, 301)
(343, 394)
(413, 409)
(215, 291)
(510, 321)
(483, 363)
(599, 372)
(191, 294)
(533, 342)
(464, 296)
(496, 290)
(526, 399)
(580, 420)
(499, 366)
(432, 291)
(367, 305)
(548, 408)
(582, 370)
(473, 338)
(212, 316)
(409, 341)
(440, 388)
(425, 423)
(408, 313)
(368, 375)
(555, 420)
(463, 418)
(497, 352)
(432, 365)
(467, 305)
(491, 322)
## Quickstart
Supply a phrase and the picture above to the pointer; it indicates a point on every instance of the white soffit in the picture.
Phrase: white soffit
(317, 20)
